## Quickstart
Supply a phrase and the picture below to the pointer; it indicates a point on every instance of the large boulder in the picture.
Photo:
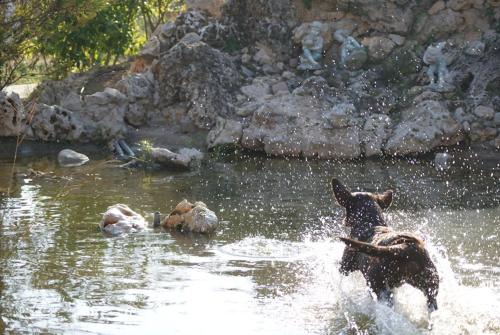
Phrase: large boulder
(103, 114)
(11, 114)
(440, 25)
(52, 123)
(139, 90)
(225, 132)
(99, 116)
(294, 125)
(199, 75)
(424, 127)
(376, 131)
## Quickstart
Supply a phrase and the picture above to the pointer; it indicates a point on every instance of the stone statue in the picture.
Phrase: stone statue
(352, 54)
(312, 47)
(436, 60)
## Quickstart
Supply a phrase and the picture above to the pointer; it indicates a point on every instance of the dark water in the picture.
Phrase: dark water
(271, 268)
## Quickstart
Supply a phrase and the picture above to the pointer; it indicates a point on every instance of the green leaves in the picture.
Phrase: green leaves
(81, 42)
(74, 35)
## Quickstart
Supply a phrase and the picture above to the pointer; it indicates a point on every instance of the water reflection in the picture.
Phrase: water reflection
(272, 267)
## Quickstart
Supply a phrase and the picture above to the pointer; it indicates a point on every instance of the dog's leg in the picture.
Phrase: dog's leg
(384, 293)
(427, 281)
(348, 262)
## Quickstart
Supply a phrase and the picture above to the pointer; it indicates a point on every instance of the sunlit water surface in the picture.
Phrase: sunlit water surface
(272, 268)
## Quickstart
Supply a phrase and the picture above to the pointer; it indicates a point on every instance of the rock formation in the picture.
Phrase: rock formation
(232, 71)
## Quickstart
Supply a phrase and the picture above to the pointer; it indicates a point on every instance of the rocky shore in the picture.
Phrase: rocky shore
(232, 72)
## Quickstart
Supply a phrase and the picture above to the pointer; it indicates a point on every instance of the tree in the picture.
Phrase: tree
(155, 12)
(22, 22)
(68, 35)
(99, 40)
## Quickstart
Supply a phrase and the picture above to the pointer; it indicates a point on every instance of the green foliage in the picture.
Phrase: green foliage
(307, 3)
(153, 13)
(69, 35)
(97, 41)
(232, 45)
(225, 150)
(145, 148)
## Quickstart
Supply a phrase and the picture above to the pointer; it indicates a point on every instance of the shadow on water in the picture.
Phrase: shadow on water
(270, 269)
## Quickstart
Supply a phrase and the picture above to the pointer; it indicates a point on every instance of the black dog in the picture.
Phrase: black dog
(386, 258)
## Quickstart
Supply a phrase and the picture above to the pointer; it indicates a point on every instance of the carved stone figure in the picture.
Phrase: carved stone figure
(312, 47)
(437, 72)
(352, 54)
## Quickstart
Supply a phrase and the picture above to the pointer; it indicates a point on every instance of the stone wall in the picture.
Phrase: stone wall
(233, 69)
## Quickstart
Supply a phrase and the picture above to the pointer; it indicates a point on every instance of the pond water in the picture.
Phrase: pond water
(270, 269)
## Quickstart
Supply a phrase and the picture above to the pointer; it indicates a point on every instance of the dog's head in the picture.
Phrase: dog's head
(363, 210)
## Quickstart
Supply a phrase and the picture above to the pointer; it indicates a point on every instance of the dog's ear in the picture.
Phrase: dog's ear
(384, 200)
(341, 192)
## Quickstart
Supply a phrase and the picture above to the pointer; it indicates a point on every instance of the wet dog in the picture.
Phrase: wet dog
(386, 258)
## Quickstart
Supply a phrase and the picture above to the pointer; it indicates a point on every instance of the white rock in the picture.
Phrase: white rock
(257, 90)
(70, 158)
(280, 87)
(119, 219)
(398, 39)
(225, 132)
(52, 123)
(483, 112)
(424, 127)
(192, 153)
(264, 56)
(170, 159)
(11, 114)
(375, 132)
(339, 116)
(293, 125)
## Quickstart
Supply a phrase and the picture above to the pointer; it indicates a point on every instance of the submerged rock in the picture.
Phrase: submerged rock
(195, 218)
(69, 158)
(183, 159)
(120, 219)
